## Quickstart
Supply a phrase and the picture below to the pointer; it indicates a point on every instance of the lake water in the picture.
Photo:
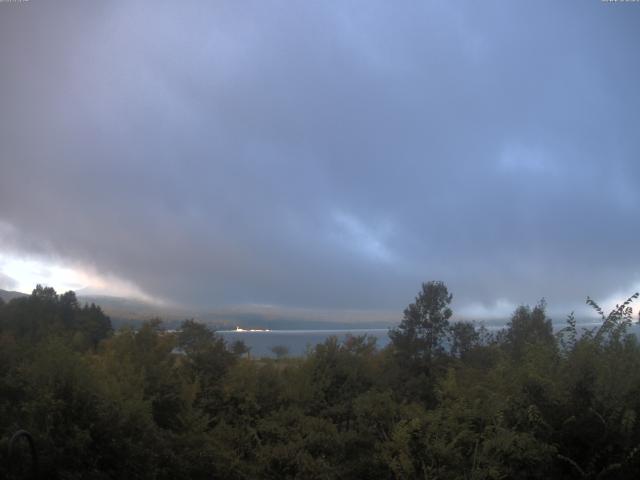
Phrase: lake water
(297, 341)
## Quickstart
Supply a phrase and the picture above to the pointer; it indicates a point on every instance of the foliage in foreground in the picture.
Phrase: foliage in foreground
(443, 400)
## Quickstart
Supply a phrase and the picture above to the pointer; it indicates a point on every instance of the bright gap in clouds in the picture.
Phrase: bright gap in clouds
(362, 239)
(610, 303)
(500, 309)
(24, 273)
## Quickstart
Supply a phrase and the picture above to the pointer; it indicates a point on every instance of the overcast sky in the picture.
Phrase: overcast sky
(323, 155)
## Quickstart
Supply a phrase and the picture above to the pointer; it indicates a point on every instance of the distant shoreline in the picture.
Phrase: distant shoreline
(332, 330)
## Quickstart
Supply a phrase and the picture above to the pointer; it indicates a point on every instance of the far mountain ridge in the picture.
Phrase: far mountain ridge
(125, 311)
(8, 295)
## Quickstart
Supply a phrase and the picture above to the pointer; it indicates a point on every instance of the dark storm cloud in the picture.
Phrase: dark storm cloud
(326, 154)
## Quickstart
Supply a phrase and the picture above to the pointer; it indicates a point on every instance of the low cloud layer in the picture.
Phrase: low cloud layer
(6, 282)
(324, 154)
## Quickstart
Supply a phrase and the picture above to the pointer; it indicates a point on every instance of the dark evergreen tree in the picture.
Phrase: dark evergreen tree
(464, 338)
(528, 327)
(421, 334)
(418, 344)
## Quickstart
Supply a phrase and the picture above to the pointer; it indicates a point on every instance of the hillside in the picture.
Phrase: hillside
(8, 295)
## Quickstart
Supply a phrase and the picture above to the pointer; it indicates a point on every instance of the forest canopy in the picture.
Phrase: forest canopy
(445, 399)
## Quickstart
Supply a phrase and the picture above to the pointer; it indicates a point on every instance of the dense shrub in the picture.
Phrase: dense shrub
(444, 400)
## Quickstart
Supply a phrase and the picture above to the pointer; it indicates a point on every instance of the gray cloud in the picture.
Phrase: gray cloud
(6, 282)
(326, 155)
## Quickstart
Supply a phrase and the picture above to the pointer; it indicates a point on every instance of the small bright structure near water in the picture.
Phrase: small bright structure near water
(238, 329)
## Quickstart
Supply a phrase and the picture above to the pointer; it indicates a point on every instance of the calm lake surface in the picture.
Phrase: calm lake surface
(297, 341)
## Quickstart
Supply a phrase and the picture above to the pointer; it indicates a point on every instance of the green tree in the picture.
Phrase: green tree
(417, 345)
(529, 327)
(464, 338)
(424, 327)
(207, 359)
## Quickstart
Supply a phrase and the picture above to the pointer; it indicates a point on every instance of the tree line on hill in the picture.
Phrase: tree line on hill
(444, 400)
